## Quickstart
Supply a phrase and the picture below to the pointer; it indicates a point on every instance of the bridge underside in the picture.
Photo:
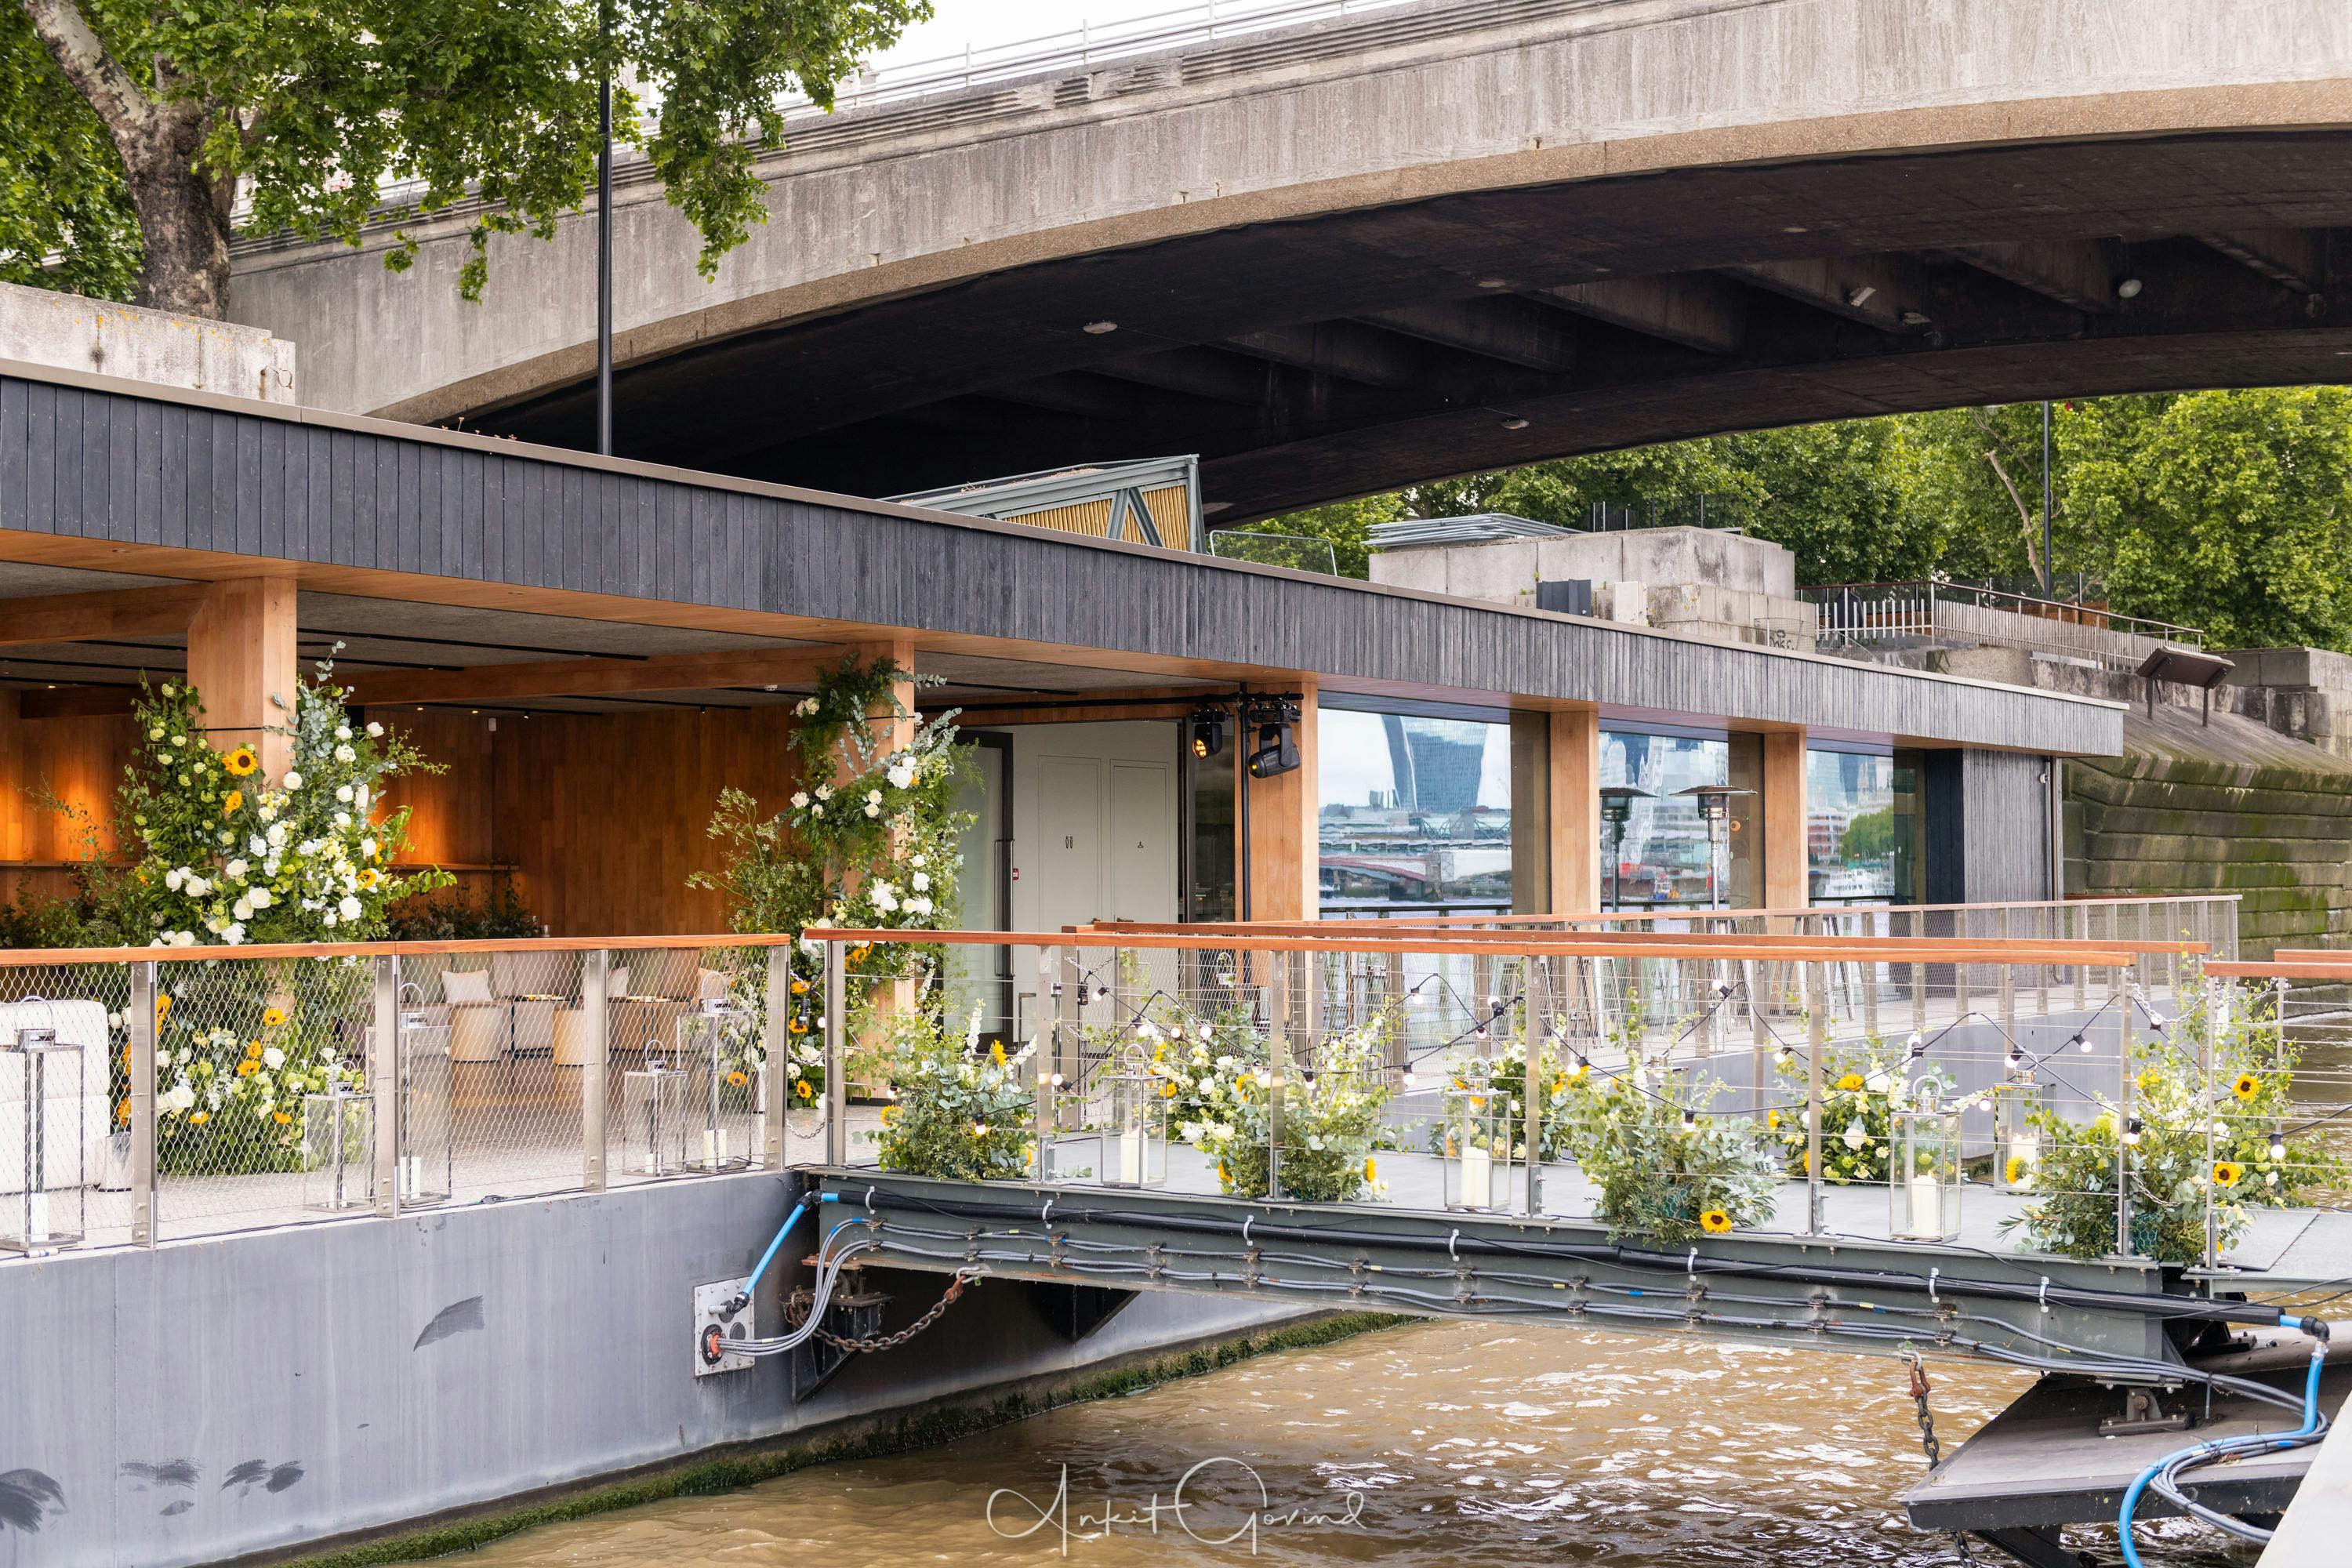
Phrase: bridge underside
(1312, 360)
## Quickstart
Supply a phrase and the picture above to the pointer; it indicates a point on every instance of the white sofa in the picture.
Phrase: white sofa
(73, 1110)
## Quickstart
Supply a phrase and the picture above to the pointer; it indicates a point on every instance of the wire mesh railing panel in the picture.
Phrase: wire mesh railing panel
(65, 1111)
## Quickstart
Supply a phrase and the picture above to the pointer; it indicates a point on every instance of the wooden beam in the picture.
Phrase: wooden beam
(89, 617)
(1784, 849)
(590, 677)
(1575, 810)
(1285, 878)
(242, 662)
(1696, 310)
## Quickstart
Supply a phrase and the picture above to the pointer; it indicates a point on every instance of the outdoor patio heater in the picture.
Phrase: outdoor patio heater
(1714, 803)
(1617, 810)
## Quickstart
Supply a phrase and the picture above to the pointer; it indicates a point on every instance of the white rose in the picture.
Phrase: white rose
(292, 780)
(183, 939)
(918, 862)
(922, 881)
(343, 731)
(233, 934)
(872, 809)
(342, 819)
(236, 869)
(268, 813)
(799, 800)
(345, 755)
(825, 792)
(902, 777)
(260, 898)
(350, 908)
(173, 878)
(363, 796)
(276, 838)
(343, 793)
(873, 797)
(329, 918)
(179, 739)
(243, 910)
(374, 729)
(196, 887)
(806, 708)
(156, 734)
(885, 899)
(273, 1058)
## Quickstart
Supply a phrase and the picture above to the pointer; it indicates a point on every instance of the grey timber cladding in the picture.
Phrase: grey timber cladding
(86, 458)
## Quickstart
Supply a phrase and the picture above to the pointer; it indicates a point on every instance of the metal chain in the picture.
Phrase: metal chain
(796, 1311)
(1928, 1443)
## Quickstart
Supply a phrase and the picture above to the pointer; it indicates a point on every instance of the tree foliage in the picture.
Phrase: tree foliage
(112, 111)
(2227, 510)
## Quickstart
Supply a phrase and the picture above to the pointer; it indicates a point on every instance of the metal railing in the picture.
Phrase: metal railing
(147, 1093)
(1300, 553)
(1935, 614)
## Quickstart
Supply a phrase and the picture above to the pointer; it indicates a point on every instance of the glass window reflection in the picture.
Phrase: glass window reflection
(1662, 854)
(1415, 813)
(1862, 842)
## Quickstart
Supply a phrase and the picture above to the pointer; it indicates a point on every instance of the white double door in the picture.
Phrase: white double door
(1095, 823)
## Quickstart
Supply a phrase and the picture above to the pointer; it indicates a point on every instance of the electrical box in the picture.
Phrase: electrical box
(714, 1324)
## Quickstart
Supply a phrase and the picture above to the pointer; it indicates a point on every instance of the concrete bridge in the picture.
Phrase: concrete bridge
(1430, 239)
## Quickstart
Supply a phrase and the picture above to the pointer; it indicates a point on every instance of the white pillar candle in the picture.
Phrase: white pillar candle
(709, 1148)
(37, 1217)
(1131, 1157)
(1927, 1207)
(412, 1176)
(1478, 1178)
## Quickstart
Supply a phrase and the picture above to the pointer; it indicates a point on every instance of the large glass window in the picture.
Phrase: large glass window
(1861, 827)
(1663, 853)
(1415, 813)
(1209, 826)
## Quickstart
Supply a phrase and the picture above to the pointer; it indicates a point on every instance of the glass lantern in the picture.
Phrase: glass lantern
(2016, 1142)
(338, 1150)
(1478, 1142)
(44, 1189)
(1135, 1134)
(655, 1103)
(427, 1119)
(716, 1048)
(1924, 1172)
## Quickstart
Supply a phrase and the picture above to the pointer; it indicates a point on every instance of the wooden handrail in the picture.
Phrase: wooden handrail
(1567, 944)
(1344, 932)
(2285, 968)
(38, 957)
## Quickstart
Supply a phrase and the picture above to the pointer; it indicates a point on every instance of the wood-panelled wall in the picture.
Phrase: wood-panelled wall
(79, 761)
(603, 815)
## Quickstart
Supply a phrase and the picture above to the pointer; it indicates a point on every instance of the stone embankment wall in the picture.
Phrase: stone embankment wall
(2234, 807)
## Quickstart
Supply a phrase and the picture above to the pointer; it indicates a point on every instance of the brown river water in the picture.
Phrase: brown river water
(1443, 1443)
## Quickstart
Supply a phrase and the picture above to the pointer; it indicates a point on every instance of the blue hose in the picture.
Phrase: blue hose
(2226, 1447)
(744, 1296)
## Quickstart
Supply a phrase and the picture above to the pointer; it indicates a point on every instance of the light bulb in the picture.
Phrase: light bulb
(2080, 1043)
(1690, 1122)
(1412, 1079)
(2131, 1133)
(1985, 1103)
(2278, 1150)
(1919, 1045)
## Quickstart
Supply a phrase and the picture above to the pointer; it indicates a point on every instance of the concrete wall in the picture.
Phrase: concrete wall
(42, 326)
(1411, 102)
(213, 1398)
(2305, 692)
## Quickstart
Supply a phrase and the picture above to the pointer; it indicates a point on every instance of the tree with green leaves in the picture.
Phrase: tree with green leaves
(130, 130)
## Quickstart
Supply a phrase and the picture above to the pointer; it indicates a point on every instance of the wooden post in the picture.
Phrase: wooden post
(1285, 844)
(1575, 812)
(243, 664)
(1784, 852)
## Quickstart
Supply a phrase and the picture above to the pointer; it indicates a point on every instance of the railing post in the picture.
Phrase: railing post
(1817, 1036)
(1045, 1049)
(142, 1105)
(1537, 1085)
(2217, 1017)
(384, 1079)
(1278, 1054)
(2081, 970)
(836, 1084)
(776, 1044)
(1069, 1043)
(2123, 1124)
(595, 1055)
(1400, 1042)
(1760, 1047)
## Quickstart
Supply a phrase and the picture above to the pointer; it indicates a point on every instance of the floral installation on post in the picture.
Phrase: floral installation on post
(871, 839)
(2230, 1139)
(1505, 1074)
(961, 1112)
(1333, 1101)
(1860, 1090)
(1663, 1173)
(225, 857)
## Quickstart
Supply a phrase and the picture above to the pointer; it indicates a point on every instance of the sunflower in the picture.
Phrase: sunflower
(2018, 1172)
(122, 1112)
(1371, 1170)
(163, 1006)
(2226, 1172)
(369, 876)
(252, 1050)
(1850, 1082)
(996, 1052)
(2247, 1085)
(281, 1117)
(241, 761)
(232, 803)
(200, 1118)
(798, 1026)
(1715, 1222)
(1772, 1120)
(800, 987)
(1167, 1091)
(805, 1089)
(738, 1078)
(272, 1017)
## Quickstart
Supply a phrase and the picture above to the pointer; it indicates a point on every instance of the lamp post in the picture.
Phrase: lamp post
(1616, 810)
(1714, 802)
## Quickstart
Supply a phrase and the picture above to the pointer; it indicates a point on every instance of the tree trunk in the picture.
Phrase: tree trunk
(184, 216)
